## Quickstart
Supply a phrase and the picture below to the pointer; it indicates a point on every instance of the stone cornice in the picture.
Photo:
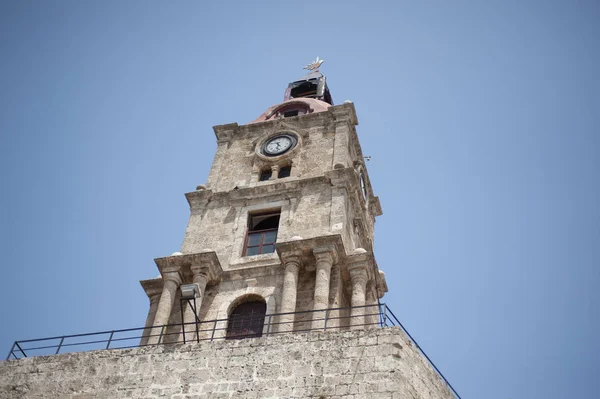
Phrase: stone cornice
(183, 263)
(198, 199)
(226, 132)
(152, 287)
(290, 188)
(375, 206)
(342, 177)
(344, 113)
(305, 248)
(252, 272)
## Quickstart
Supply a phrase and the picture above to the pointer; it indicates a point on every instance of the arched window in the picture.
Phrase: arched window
(246, 320)
(293, 109)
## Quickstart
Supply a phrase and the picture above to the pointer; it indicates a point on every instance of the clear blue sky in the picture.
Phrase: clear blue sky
(481, 117)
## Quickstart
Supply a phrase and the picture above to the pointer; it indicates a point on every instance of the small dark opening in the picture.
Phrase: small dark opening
(284, 172)
(264, 222)
(265, 175)
(305, 89)
(287, 114)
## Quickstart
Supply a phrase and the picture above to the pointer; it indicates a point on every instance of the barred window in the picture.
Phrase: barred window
(247, 320)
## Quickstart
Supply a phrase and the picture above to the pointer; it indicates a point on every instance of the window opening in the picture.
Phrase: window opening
(293, 112)
(265, 174)
(262, 234)
(304, 89)
(247, 320)
(285, 171)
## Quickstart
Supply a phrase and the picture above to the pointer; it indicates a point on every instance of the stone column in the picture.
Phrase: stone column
(150, 318)
(325, 257)
(372, 311)
(274, 172)
(200, 278)
(291, 264)
(358, 276)
(171, 281)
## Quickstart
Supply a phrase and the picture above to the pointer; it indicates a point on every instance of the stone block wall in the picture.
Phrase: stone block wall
(222, 222)
(374, 364)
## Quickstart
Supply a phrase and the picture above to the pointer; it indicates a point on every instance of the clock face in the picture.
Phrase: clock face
(279, 144)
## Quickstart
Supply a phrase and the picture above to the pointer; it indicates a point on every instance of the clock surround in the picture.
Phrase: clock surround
(279, 144)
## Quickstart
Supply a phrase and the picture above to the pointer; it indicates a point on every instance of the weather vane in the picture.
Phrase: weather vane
(314, 66)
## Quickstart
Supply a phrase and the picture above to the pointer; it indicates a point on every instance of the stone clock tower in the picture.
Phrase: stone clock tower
(279, 245)
(286, 219)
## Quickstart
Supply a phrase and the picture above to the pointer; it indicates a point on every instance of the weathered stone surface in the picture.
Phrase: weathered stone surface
(322, 196)
(374, 363)
(323, 202)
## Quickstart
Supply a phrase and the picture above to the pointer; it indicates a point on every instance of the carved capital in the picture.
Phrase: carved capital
(172, 276)
(291, 259)
(358, 272)
(199, 270)
(206, 260)
(326, 253)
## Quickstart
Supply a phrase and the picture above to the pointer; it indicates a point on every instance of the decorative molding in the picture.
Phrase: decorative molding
(183, 263)
(225, 133)
(152, 287)
(344, 113)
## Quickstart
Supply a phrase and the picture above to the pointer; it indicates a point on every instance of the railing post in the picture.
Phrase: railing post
(59, 345)
(212, 336)
(269, 325)
(12, 348)
(326, 316)
(182, 318)
(196, 320)
(21, 349)
(162, 329)
(110, 338)
(384, 316)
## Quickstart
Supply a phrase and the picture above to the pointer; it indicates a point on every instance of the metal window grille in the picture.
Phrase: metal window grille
(247, 320)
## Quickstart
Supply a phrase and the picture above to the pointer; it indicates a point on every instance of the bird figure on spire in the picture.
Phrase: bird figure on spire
(314, 66)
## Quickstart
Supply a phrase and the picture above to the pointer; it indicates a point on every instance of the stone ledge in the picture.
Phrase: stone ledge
(375, 363)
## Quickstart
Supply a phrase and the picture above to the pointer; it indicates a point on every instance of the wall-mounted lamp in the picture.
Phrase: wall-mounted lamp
(189, 291)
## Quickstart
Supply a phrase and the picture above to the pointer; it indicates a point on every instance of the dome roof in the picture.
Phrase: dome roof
(311, 104)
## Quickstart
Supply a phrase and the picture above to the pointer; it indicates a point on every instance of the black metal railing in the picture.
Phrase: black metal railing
(369, 316)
